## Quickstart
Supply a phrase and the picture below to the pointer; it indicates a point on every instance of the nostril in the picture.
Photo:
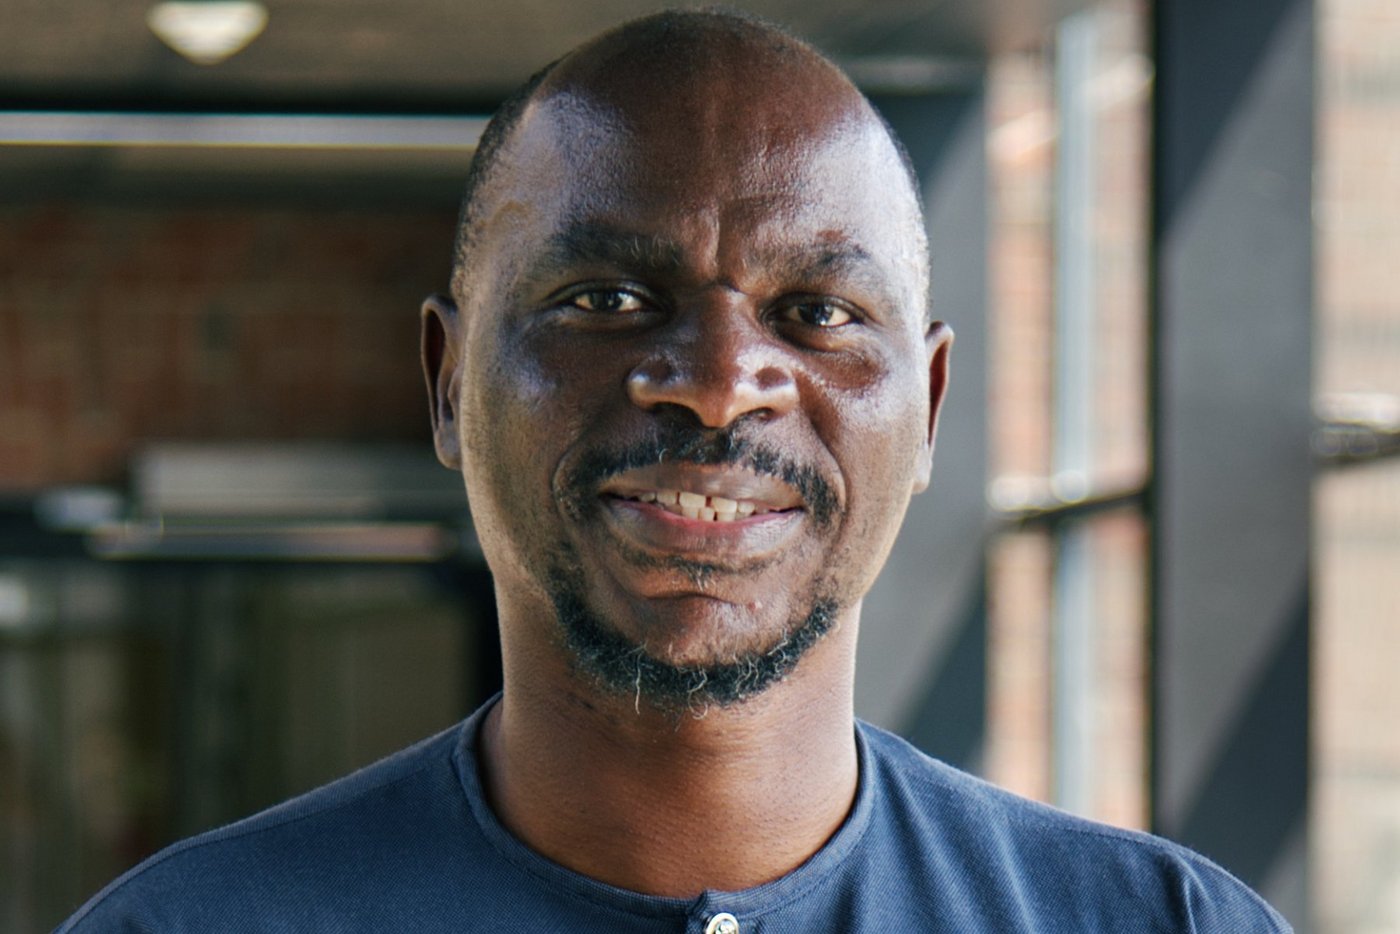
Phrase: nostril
(677, 414)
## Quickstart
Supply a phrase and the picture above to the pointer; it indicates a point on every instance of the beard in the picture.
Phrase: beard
(621, 666)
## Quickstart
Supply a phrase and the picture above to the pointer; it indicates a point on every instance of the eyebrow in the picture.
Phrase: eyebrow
(841, 262)
(591, 243)
(827, 261)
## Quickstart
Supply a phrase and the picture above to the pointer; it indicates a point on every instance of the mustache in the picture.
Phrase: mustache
(684, 444)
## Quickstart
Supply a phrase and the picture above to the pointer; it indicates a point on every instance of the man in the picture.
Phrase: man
(687, 374)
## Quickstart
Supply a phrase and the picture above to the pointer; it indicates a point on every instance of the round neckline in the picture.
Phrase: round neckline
(745, 902)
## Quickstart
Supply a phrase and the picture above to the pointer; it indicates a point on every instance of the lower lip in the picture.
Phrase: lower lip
(656, 529)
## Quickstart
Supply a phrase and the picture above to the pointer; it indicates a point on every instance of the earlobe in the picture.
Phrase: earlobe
(441, 352)
(939, 344)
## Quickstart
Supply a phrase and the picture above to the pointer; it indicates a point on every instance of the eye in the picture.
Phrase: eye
(608, 301)
(818, 314)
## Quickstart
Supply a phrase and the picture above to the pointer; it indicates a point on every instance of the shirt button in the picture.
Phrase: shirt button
(723, 923)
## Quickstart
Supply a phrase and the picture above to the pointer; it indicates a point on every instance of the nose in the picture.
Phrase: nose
(718, 362)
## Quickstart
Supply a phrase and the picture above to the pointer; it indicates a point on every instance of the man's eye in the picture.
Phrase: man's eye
(818, 314)
(608, 301)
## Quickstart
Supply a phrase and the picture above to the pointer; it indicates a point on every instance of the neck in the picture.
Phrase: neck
(607, 786)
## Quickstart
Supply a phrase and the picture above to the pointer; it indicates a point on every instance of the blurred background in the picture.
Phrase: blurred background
(1157, 580)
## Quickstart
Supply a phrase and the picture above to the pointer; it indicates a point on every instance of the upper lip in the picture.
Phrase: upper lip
(731, 482)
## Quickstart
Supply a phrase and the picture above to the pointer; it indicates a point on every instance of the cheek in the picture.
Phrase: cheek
(512, 415)
(876, 432)
(532, 398)
(875, 413)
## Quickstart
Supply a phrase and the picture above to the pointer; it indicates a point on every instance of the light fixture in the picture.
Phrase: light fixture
(207, 31)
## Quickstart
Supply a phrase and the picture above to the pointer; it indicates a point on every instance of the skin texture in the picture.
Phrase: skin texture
(698, 264)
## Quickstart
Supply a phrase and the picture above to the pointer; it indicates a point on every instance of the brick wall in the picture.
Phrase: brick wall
(123, 324)
(1023, 152)
(1356, 696)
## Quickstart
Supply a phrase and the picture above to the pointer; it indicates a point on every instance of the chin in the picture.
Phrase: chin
(711, 657)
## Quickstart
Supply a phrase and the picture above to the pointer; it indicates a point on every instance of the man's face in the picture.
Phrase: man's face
(694, 390)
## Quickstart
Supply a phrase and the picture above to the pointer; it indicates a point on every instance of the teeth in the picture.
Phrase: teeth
(705, 508)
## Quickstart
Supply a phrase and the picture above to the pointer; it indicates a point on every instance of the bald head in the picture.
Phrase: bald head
(692, 247)
(709, 73)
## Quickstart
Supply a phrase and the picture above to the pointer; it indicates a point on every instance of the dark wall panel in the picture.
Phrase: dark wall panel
(1231, 500)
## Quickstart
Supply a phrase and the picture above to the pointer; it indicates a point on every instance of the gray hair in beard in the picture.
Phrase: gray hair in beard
(623, 667)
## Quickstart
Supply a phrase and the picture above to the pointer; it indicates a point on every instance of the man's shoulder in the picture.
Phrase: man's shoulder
(977, 834)
(313, 844)
(910, 778)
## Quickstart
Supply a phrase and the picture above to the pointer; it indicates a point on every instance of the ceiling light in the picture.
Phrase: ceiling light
(207, 31)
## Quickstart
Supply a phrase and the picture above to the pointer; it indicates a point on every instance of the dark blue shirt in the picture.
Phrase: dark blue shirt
(409, 844)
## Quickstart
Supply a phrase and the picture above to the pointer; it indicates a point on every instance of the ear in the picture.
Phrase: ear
(442, 356)
(939, 344)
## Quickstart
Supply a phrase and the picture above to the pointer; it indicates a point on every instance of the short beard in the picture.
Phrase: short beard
(622, 667)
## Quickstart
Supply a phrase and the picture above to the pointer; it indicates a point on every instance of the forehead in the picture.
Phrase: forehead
(731, 173)
(583, 152)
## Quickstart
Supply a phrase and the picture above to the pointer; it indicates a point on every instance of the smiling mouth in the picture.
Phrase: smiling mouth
(674, 515)
(700, 506)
